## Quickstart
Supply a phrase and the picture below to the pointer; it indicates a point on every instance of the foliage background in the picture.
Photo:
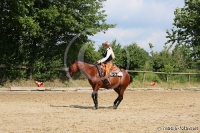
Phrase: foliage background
(35, 34)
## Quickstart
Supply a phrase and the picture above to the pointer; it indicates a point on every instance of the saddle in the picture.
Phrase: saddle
(115, 71)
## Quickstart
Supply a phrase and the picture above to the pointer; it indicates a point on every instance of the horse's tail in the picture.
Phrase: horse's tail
(131, 78)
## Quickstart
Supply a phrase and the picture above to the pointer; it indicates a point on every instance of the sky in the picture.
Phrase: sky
(139, 21)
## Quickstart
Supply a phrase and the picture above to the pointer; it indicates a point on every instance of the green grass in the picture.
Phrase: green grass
(54, 83)
(84, 83)
(175, 81)
(169, 85)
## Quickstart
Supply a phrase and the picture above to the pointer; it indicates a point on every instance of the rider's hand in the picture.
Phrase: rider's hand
(98, 61)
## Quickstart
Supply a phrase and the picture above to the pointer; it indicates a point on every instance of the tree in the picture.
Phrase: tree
(36, 33)
(171, 60)
(187, 31)
(88, 54)
(135, 57)
(165, 61)
(182, 59)
(119, 54)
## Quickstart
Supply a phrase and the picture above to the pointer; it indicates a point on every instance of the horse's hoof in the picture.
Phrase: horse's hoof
(114, 107)
(95, 107)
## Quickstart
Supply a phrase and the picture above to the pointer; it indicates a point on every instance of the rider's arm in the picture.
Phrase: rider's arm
(107, 55)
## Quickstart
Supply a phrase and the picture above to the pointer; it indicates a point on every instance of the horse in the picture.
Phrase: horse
(90, 71)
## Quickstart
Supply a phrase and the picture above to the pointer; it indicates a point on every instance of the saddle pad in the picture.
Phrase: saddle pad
(119, 74)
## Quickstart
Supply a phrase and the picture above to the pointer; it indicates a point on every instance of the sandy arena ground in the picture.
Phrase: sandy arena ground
(71, 112)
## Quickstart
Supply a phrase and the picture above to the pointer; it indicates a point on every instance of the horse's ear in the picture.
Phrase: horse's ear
(73, 61)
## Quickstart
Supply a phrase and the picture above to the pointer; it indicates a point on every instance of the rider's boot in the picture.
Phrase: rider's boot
(106, 81)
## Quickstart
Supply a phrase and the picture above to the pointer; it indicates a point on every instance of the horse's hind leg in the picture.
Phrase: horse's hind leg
(120, 92)
(116, 100)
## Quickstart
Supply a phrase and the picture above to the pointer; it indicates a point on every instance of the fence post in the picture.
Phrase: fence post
(189, 77)
(167, 77)
(143, 77)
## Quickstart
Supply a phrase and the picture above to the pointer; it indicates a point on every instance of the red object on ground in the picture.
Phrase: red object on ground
(40, 84)
(153, 84)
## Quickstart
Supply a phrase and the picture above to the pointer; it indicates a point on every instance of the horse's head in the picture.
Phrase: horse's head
(73, 68)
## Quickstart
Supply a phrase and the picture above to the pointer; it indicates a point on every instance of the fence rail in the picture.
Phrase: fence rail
(166, 73)
(19, 66)
(130, 71)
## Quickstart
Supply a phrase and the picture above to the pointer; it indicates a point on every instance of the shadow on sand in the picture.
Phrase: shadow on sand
(80, 107)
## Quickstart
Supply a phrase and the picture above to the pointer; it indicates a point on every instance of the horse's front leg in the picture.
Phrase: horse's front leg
(95, 99)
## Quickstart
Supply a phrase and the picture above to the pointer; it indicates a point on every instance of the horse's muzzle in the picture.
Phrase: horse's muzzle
(68, 75)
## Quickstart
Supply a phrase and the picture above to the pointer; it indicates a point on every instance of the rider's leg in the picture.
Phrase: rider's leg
(109, 65)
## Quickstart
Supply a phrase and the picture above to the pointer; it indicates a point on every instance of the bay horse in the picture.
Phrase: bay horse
(90, 71)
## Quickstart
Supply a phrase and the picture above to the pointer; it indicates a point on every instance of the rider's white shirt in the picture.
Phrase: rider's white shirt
(109, 52)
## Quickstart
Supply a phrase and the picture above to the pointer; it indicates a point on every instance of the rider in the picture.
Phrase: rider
(108, 56)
